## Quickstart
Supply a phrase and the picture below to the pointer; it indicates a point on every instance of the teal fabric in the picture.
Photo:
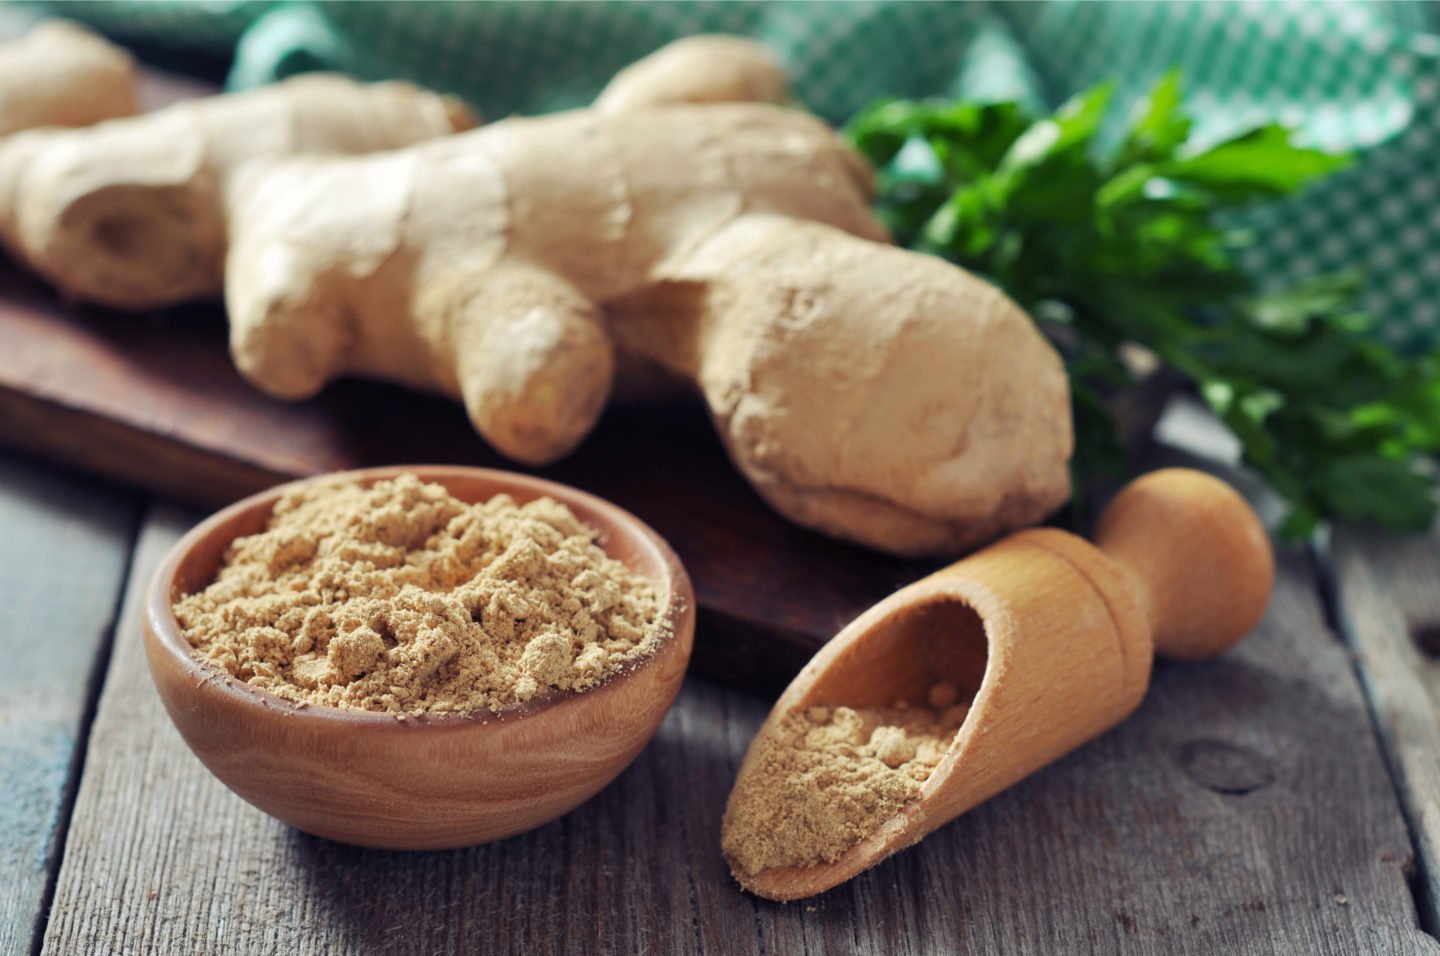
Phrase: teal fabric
(1361, 76)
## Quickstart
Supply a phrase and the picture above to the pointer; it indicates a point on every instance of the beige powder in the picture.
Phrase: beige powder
(826, 778)
(400, 598)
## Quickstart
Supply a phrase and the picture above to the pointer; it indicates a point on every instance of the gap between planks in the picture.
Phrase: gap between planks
(1146, 841)
(1386, 594)
(64, 546)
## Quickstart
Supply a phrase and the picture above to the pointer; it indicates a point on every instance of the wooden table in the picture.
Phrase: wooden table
(1284, 798)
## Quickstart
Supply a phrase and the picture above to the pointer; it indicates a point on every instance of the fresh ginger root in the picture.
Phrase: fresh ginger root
(61, 74)
(872, 393)
(129, 213)
(698, 69)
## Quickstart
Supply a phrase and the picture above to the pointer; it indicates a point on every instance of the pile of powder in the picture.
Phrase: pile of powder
(399, 597)
(827, 777)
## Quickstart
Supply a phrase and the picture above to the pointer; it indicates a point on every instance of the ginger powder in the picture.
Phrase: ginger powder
(398, 597)
(825, 778)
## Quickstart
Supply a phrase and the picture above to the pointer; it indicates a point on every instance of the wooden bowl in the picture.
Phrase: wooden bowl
(427, 782)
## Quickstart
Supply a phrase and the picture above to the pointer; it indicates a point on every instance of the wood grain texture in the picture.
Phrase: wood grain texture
(64, 544)
(1244, 809)
(1388, 590)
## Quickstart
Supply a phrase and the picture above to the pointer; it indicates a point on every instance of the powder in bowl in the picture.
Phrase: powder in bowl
(398, 597)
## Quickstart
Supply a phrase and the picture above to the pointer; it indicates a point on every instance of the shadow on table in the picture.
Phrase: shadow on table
(636, 866)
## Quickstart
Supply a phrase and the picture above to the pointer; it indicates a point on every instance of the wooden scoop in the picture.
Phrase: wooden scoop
(1051, 636)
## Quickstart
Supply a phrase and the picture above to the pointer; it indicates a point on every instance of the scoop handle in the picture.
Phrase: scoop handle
(1196, 555)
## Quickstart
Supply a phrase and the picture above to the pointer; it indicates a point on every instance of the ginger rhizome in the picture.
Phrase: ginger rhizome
(129, 213)
(61, 74)
(872, 393)
(698, 69)
(533, 267)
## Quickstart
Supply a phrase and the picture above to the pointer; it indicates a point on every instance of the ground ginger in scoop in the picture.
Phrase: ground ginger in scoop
(399, 598)
(827, 777)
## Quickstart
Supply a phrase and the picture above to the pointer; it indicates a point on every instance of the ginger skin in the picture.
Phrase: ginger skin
(61, 74)
(872, 393)
(129, 213)
(698, 69)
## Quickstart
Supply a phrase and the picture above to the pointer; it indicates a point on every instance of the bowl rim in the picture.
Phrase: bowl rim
(166, 635)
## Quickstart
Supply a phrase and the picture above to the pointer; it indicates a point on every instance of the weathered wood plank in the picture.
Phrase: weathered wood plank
(1244, 809)
(1388, 592)
(64, 543)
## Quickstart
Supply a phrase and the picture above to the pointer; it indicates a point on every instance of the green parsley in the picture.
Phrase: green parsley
(1132, 244)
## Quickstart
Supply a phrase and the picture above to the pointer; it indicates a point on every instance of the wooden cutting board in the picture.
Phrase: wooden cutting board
(154, 401)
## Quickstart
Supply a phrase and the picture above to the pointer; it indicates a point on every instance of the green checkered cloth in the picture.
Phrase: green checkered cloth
(1361, 76)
